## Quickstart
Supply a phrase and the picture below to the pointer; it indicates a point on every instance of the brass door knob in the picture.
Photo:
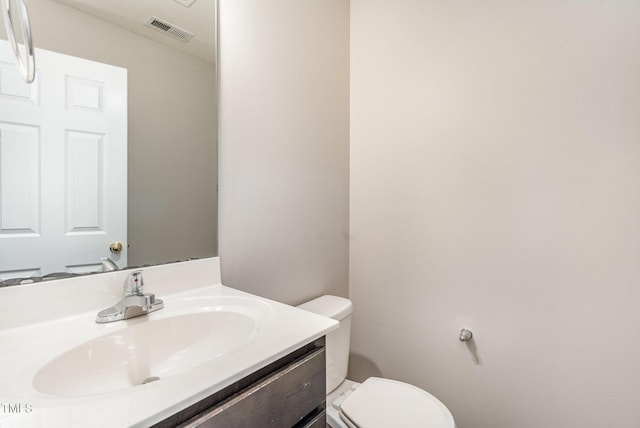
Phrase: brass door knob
(115, 247)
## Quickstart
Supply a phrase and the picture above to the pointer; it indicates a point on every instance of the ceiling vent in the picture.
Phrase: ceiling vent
(169, 29)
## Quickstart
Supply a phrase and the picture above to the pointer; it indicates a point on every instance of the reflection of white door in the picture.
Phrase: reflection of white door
(63, 165)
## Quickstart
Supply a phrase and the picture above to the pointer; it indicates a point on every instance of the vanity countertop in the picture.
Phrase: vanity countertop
(26, 349)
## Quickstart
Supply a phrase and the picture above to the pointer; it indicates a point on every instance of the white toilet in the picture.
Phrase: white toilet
(377, 402)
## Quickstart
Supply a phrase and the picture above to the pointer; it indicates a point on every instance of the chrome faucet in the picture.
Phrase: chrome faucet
(108, 265)
(134, 302)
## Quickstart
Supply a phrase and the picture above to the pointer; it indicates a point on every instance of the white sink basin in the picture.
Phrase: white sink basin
(150, 349)
(60, 368)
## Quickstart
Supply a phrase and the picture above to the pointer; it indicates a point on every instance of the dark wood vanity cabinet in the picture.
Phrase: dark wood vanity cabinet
(287, 393)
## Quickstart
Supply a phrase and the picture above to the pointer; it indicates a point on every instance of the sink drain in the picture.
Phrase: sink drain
(150, 379)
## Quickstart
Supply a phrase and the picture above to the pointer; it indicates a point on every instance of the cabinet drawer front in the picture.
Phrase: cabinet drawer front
(280, 400)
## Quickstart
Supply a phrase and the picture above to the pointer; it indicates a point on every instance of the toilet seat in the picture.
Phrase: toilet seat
(384, 403)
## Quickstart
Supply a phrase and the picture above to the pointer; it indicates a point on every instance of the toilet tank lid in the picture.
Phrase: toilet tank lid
(329, 306)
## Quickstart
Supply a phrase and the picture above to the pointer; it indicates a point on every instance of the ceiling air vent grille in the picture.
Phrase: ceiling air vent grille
(168, 29)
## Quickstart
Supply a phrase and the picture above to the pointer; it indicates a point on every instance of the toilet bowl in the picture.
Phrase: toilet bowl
(376, 402)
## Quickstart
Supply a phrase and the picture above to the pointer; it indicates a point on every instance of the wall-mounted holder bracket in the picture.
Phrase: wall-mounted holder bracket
(465, 335)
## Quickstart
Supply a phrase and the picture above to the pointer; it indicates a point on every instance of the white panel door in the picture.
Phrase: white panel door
(63, 165)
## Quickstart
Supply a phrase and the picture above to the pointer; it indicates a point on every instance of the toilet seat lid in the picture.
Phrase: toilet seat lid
(384, 403)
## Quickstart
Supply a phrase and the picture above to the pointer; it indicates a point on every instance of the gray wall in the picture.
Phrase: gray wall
(495, 185)
(284, 123)
(172, 175)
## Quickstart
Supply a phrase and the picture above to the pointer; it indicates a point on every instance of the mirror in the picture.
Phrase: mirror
(172, 112)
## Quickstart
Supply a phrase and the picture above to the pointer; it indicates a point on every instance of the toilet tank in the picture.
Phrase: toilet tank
(338, 341)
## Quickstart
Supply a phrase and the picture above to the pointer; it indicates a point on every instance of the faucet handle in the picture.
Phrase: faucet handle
(134, 283)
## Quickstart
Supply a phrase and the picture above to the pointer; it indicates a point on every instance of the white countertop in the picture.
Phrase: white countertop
(29, 346)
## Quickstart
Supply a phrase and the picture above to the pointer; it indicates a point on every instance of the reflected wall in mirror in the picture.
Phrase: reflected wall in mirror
(172, 114)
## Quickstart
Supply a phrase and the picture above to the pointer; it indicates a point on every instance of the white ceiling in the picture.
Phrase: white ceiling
(199, 19)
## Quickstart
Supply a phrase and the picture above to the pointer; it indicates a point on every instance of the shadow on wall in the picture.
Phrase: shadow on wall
(473, 350)
(361, 368)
